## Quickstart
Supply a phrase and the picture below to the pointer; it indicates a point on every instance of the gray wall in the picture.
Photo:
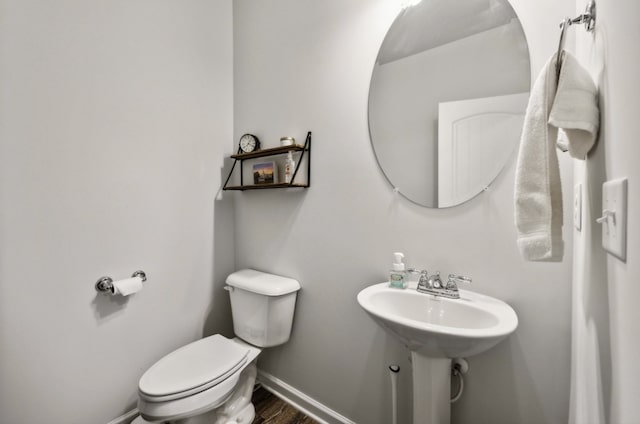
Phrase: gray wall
(305, 65)
(114, 119)
(606, 343)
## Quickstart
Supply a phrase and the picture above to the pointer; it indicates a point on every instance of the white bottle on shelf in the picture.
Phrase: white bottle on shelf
(289, 167)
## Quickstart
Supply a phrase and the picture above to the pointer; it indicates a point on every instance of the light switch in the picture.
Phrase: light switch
(577, 207)
(614, 217)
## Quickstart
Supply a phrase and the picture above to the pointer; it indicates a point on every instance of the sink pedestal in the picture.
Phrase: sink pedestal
(431, 389)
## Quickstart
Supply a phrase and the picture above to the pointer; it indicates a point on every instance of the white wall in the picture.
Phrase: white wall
(114, 118)
(605, 374)
(305, 65)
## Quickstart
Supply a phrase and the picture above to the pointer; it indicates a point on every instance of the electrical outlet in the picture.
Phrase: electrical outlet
(614, 217)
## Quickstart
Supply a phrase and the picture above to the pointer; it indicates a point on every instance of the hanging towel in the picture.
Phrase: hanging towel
(575, 108)
(538, 193)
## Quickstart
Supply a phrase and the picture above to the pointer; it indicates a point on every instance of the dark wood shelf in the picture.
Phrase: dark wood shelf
(265, 186)
(268, 152)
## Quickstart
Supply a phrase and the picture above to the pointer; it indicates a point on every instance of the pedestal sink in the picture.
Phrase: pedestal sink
(436, 330)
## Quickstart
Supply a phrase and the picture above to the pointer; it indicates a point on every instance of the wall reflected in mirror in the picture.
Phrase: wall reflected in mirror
(447, 98)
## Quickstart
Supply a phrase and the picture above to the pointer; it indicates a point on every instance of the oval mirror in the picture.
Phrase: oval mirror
(447, 98)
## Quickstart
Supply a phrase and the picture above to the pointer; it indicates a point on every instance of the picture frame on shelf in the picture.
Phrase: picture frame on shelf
(265, 172)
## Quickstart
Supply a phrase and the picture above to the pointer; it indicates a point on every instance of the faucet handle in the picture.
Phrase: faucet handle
(454, 279)
(460, 278)
(424, 281)
(422, 272)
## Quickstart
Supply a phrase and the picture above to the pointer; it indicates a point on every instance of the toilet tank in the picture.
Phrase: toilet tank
(262, 306)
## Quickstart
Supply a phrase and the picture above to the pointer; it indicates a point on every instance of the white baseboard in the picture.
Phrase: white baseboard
(125, 418)
(301, 401)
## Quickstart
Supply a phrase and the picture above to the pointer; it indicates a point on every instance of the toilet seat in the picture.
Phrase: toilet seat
(188, 406)
(193, 368)
(182, 405)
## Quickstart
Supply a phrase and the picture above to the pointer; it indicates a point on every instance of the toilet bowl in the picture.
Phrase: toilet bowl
(210, 381)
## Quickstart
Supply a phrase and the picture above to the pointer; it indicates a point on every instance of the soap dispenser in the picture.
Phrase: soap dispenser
(398, 274)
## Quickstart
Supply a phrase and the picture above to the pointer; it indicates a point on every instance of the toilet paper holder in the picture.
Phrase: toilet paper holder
(105, 284)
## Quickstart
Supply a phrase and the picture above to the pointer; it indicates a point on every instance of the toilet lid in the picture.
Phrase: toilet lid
(198, 365)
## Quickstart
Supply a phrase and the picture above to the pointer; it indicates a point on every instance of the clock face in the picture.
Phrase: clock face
(249, 143)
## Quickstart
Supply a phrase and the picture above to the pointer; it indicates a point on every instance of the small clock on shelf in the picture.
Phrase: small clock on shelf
(248, 143)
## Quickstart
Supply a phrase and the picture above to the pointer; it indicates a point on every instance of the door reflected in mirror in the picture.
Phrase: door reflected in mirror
(447, 98)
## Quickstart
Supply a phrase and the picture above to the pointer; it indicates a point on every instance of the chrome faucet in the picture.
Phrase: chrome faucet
(433, 285)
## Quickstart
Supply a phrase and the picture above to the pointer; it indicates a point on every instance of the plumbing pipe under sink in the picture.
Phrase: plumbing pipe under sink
(393, 373)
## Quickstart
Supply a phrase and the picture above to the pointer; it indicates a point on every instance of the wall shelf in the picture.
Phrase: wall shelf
(265, 186)
(269, 152)
(304, 150)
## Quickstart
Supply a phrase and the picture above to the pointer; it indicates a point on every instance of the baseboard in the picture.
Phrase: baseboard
(301, 401)
(125, 418)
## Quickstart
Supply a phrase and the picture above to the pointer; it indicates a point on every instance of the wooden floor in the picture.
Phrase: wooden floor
(270, 409)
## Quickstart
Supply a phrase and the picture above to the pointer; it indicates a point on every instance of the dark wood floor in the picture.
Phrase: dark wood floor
(270, 409)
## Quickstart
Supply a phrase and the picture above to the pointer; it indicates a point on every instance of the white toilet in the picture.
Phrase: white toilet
(210, 381)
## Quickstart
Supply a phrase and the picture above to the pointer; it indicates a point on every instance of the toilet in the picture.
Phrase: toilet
(210, 381)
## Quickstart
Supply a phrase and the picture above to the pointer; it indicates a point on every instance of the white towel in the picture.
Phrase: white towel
(575, 108)
(538, 193)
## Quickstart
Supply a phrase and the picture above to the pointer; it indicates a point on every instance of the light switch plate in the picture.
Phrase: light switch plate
(577, 207)
(614, 229)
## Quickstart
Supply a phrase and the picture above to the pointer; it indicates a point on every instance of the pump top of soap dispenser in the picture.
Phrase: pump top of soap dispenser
(397, 264)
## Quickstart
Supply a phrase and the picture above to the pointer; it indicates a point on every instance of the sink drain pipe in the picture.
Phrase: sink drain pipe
(393, 373)
(459, 366)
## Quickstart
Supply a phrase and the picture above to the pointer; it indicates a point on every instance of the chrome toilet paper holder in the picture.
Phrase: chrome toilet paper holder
(105, 284)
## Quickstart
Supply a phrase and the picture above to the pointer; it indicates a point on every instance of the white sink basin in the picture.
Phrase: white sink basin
(436, 326)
